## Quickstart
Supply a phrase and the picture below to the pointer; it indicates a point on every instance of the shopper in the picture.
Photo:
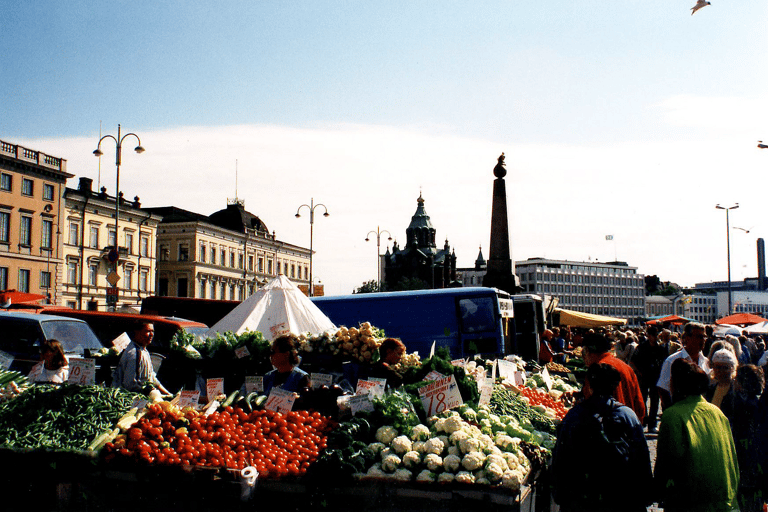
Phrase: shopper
(696, 464)
(694, 336)
(721, 388)
(748, 386)
(646, 362)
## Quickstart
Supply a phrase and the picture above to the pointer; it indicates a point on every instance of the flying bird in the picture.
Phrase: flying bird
(761, 145)
(699, 5)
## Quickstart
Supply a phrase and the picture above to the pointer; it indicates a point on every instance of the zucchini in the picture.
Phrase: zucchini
(230, 399)
(105, 437)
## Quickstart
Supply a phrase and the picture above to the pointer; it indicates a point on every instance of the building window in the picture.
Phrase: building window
(111, 238)
(250, 264)
(293, 270)
(202, 289)
(201, 256)
(45, 279)
(143, 278)
(261, 264)
(129, 242)
(5, 228)
(47, 234)
(93, 274)
(223, 258)
(223, 291)
(269, 266)
(231, 292)
(144, 246)
(94, 237)
(24, 280)
(6, 183)
(72, 272)
(27, 187)
(213, 256)
(74, 233)
(4, 278)
(231, 259)
(128, 285)
(47, 192)
(183, 252)
(165, 253)
(240, 290)
(240, 261)
(25, 231)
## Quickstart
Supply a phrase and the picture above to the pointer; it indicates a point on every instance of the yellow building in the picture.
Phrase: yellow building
(225, 256)
(89, 237)
(31, 189)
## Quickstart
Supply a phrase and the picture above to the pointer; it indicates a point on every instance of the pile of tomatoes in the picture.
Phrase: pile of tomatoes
(536, 397)
(276, 444)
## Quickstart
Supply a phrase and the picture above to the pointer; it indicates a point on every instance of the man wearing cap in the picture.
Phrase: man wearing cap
(694, 336)
(597, 349)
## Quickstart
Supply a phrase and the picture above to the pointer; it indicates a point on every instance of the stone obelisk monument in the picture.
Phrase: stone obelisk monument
(500, 273)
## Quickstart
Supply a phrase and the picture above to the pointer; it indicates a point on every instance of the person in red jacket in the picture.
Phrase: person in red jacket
(596, 349)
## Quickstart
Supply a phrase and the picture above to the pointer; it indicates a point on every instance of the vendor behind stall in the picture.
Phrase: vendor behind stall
(53, 366)
(285, 358)
(134, 371)
(391, 352)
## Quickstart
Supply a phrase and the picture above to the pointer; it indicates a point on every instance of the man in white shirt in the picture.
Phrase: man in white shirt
(134, 371)
(694, 337)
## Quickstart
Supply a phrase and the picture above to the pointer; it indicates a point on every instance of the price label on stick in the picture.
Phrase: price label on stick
(459, 362)
(254, 383)
(319, 380)
(372, 387)
(242, 352)
(360, 403)
(440, 396)
(280, 400)
(433, 375)
(547, 379)
(486, 391)
(82, 372)
(189, 398)
(214, 387)
(506, 368)
(121, 342)
(5, 360)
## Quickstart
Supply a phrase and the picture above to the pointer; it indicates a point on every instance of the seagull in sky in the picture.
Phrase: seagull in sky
(761, 145)
(699, 5)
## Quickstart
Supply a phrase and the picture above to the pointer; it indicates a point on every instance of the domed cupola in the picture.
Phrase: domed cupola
(420, 233)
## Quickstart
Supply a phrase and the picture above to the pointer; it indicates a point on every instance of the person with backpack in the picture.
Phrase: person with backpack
(601, 461)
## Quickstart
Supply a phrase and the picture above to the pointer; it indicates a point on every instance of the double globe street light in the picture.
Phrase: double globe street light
(311, 207)
(378, 234)
(728, 243)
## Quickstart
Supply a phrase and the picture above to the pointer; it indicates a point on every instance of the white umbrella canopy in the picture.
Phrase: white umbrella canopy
(276, 309)
(722, 330)
(761, 328)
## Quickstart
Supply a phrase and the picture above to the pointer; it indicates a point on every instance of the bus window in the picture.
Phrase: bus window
(477, 315)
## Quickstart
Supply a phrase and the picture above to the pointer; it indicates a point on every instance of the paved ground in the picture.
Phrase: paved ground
(651, 439)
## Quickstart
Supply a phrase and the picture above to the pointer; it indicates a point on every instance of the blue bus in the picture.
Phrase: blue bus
(467, 321)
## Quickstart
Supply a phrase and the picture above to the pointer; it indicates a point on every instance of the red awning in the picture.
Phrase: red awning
(671, 319)
(8, 297)
(741, 319)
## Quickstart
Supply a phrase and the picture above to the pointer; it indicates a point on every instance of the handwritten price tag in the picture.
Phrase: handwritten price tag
(121, 342)
(440, 396)
(254, 383)
(279, 330)
(5, 360)
(360, 403)
(214, 387)
(82, 372)
(459, 362)
(547, 379)
(139, 403)
(433, 375)
(320, 379)
(242, 352)
(280, 400)
(372, 387)
(486, 391)
(189, 398)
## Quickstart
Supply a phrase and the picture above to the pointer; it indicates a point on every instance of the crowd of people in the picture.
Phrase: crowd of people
(701, 395)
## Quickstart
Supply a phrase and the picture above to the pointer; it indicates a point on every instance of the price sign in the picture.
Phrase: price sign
(242, 352)
(254, 383)
(433, 375)
(493, 371)
(214, 387)
(459, 362)
(440, 396)
(5, 360)
(547, 379)
(486, 390)
(372, 387)
(320, 379)
(121, 342)
(189, 398)
(280, 400)
(279, 330)
(139, 403)
(506, 368)
(82, 372)
(360, 403)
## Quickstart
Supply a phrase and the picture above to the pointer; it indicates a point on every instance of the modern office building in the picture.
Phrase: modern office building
(613, 288)
(31, 189)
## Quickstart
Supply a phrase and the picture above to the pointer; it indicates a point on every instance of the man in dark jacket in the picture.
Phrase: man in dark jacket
(646, 362)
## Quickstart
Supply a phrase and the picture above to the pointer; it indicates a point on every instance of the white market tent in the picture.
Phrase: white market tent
(276, 309)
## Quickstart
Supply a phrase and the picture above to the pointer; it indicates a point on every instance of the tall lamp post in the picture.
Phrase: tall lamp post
(311, 207)
(728, 242)
(378, 234)
(114, 255)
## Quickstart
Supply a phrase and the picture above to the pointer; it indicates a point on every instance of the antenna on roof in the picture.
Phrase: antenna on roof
(236, 200)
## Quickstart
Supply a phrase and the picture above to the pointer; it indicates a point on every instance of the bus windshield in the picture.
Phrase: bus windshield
(477, 315)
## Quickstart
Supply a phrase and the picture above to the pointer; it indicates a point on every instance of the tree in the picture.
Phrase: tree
(371, 286)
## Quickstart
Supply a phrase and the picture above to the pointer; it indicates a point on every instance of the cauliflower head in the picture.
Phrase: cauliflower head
(445, 478)
(451, 463)
(433, 462)
(386, 434)
(411, 459)
(403, 475)
(473, 461)
(390, 463)
(420, 433)
(401, 445)
(426, 476)
(434, 445)
(465, 477)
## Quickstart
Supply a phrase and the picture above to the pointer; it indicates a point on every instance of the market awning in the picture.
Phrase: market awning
(741, 319)
(581, 319)
(669, 319)
(8, 297)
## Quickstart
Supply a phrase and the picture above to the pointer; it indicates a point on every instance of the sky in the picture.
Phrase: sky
(624, 118)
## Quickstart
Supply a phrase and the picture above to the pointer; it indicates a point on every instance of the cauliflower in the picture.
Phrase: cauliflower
(498, 460)
(512, 461)
(451, 463)
(433, 462)
(403, 475)
(390, 463)
(482, 481)
(386, 434)
(470, 444)
(486, 442)
(445, 478)
(386, 452)
(473, 461)
(376, 448)
(439, 425)
(426, 476)
(506, 442)
(420, 433)
(512, 480)
(465, 477)
(468, 413)
(411, 459)
(457, 436)
(494, 472)
(452, 424)
(445, 440)
(454, 450)
(434, 445)
(418, 446)
(375, 472)
(401, 445)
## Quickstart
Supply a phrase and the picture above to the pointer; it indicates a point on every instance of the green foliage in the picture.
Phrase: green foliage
(371, 286)
(410, 283)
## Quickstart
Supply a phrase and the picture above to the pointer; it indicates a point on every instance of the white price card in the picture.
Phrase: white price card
(214, 388)
(139, 403)
(319, 380)
(506, 368)
(433, 375)
(279, 330)
(254, 383)
(5, 360)
(189, 398)
(242, 352)
(372, 387)
(547, 379)
(485, 392)
(459, 362)
(360, 403)
(121, 342)
(280, 400)
(82, 372)
(440, 396)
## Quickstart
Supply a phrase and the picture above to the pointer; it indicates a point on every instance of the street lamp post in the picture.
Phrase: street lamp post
(728, 242)
(378, 234)
(311, 207)
(115, 256)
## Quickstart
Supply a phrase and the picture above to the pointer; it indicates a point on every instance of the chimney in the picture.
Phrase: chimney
(762, 282)
(85, 185)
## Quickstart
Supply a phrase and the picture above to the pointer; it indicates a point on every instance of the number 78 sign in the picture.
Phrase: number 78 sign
(440, 395)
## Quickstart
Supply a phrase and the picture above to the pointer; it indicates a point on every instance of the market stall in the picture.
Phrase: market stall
(582, 319)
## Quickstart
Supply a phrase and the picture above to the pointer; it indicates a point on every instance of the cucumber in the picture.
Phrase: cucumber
(231, 398)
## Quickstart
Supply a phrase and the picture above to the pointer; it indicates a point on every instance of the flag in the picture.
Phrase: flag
(609, 237)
